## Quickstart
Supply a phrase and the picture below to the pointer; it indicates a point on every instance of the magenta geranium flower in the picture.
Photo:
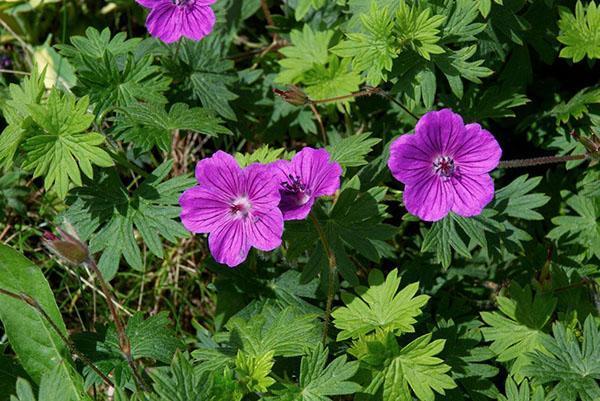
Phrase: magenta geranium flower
(306, 177)
(169, 20)
(237, 207)
(444, 166)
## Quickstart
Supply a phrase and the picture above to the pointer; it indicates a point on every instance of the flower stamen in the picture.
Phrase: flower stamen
(444, 166)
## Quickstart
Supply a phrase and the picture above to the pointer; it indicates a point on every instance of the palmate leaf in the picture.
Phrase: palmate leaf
(263, 328)
(207, 74)
(94, 44)
(523, 392)
(577, 107)
(308, 48)
(17, 115)
(582, 229)
(397, 372)
(104, 213)
(58, 147)
(335, 79)
(351, 151)
(573, 366)
(380, 308)
(253, 371)
(517, 199)
(456, 65)
(182, 382)
(319, 380)
(419, 29)
(374, 49)
(149, 125)
(519, 327)
(111, 83)
(304, 6)
(580, 33)
(354, 223)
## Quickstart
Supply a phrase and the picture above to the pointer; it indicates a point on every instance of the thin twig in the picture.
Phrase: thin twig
(5, 71)
(538, 161)
(124, 343)
(268, 16)
(74, 351)
(320, 121)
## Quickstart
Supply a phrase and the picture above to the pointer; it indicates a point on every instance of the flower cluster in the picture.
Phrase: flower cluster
(444, 165)
(242, 208)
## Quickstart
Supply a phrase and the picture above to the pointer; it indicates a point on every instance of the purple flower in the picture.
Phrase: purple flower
(237, 207)
(306, 177)
(169, 20)
(444, 166)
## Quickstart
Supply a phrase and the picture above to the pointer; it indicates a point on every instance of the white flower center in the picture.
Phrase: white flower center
(444, 166)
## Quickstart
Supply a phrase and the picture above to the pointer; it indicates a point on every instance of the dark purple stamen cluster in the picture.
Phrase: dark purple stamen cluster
(444, 166)
(294, 185)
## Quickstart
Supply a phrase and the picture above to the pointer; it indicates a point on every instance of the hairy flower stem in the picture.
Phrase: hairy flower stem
(538, 161)
(36, 305)
(330, 277)
(124, 343)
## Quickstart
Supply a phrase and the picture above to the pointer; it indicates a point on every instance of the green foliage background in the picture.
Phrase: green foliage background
(102, 126)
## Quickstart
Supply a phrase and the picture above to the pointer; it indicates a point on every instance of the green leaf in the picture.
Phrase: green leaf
(524, 392)
(253, 371)
(584, 228)
(580, 32)
(577, 107)
(456, 66)
(374, 49)
(109, 218)
(149, 125)
(17, 114)
(264, 154)
(572, 366)
(519, 326)
(396, 370)
(308, 49)
(111, 83)
(516, 199)
(380, 308)
(207, 75)
(304, 6)
(181, 382)
(351, 151)
(319, 380)
(95, 44)
(39, 348)
(419, 29)
(58, 147)
(331, 81)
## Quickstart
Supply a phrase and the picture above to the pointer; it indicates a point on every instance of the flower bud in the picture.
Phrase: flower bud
(293, 95)
(67, 245)
(591, 144)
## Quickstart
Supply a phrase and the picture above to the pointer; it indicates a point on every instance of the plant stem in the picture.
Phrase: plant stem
(268, 16)
(36, 305)
(177, 49)
(124, 343)
(330, 277)
(538, 161)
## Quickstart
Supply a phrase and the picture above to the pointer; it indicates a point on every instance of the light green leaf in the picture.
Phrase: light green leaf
(580, 33)
(380, 308)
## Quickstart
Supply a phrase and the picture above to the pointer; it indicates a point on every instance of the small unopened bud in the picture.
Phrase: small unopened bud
(591, 144)
(66, 245)
(293, 95)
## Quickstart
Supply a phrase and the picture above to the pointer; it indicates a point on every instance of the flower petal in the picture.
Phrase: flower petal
(471, 193)
(202, 211)
(265, 230)
(164, 22)
(409, 162)
(478, 151)
(228, 244)
(197, 21)
(261, 187)
(222, 173)
(429, 199)
(151, 3)
(439, 131)
(320, 175)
